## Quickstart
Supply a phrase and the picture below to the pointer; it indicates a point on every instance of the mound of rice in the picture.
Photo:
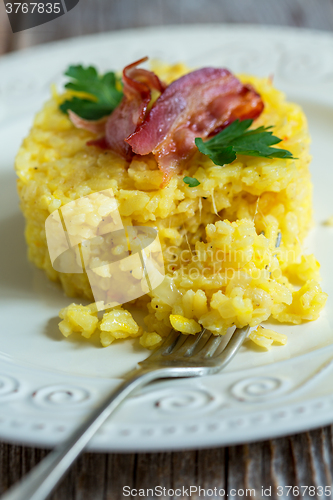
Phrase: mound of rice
(218, 239)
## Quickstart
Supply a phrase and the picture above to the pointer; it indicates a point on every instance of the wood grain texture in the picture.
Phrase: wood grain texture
(92, 16)
(5, 31)
(302, 460)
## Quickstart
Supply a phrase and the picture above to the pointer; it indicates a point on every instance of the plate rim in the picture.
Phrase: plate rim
(13, 433)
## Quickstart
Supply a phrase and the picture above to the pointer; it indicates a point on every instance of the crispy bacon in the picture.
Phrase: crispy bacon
(138, 84)
(94, 126)
(131, 112)
(199, 104)
(98, 143)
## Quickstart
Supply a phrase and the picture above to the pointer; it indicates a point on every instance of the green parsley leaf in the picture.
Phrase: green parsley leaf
(236, 139)
(191, 181)
(103, 90)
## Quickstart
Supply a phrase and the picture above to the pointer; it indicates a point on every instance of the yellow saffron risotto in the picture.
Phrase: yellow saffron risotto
(218, 239)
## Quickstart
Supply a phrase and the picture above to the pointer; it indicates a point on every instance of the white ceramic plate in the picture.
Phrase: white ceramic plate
(48, 384)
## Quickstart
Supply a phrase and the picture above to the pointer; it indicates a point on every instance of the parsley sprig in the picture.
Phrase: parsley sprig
(103, 89)
(236, 139)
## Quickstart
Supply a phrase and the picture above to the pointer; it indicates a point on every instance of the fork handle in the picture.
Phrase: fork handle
(40, 482)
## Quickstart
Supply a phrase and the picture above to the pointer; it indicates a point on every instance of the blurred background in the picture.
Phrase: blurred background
(94, 16)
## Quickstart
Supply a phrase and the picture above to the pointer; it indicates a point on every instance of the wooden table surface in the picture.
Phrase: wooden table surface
(303, 460)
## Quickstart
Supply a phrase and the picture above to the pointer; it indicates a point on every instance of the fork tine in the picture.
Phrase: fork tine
(225, 339)
(211, 346)
(204, 351)
(230, 344)
(191, 342)
(177, 345)
(168, 344)
(233, 345)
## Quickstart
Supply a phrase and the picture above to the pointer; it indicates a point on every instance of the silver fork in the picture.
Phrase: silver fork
(179, 356)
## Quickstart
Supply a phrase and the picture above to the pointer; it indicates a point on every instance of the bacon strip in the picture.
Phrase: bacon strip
(131, 112)
(94, 126)
(199, 104)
